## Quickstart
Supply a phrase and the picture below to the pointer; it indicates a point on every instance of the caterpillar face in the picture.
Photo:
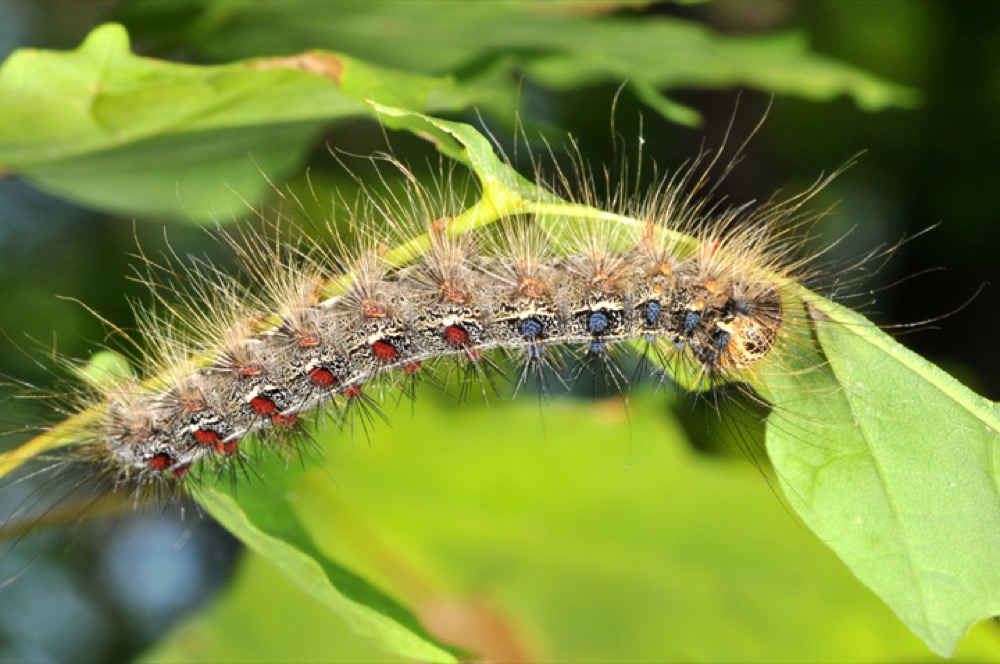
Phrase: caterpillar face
(740, 334)
(753, 329)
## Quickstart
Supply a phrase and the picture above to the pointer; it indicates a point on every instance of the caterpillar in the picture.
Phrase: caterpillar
(428, 286)
(278, 348)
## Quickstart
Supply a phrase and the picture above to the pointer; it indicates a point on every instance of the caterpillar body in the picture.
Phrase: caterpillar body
(701, 292)
(451, 304)
(697, 288)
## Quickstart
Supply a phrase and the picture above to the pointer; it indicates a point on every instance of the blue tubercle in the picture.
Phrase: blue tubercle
(531, 328)
(652, 313)
(691, 320)
(598, 322)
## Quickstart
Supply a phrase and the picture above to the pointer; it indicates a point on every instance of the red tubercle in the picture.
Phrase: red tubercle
(286, 419)
(228, 446)
(263, 406)
(373, 309)
(353, 392)
(160, 462)
(307, 340)
(248, 370)
(206, 437)
(192, 404)
(384, 351)
(456, 336)
(412, 367)
(321, 377)
(180, 471)
(452, 293)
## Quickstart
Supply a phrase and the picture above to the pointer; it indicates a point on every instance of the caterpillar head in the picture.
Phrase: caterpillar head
(748, 330)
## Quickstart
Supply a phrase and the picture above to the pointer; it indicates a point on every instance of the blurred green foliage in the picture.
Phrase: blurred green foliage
(586, 532)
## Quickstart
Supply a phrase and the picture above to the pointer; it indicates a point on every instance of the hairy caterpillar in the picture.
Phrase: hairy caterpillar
(699, 286)
(709, 290)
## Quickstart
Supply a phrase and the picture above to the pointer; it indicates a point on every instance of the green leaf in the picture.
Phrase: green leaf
(579, 531)
(105, 368)
(141, 136)
(264, 520)
(465, 144)
(890, 460)
(894, 464)
(562, 48)
(242, 625)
